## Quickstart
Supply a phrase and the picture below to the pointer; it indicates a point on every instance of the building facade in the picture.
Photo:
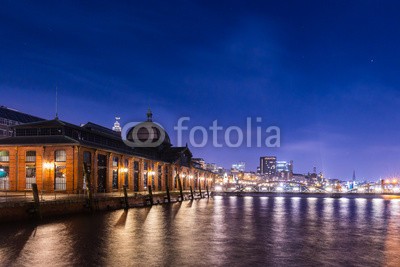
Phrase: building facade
(268, 165)
(52, 154)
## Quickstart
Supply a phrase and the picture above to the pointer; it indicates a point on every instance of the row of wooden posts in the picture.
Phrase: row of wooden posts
(150, 198)
(168, 197)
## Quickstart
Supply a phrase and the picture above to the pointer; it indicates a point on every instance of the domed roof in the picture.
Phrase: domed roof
(148, 134)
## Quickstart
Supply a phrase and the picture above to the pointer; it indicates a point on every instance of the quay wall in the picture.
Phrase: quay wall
(20, 211)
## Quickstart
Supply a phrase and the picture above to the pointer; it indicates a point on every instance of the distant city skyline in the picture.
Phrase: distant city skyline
(325, 73)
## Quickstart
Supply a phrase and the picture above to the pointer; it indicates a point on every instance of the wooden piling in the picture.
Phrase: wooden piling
(126, 197)
(180, 188)
(151, 196)
(35, 192)
(191, 192)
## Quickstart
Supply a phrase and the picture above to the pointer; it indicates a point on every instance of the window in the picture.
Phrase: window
(87, 158)
(61, 156)
(159, 177)
(30, 175)
(115, 173)
(126, 173)
(115, 179)
(101, 173)
(60, 182)
(115, 161)
(145, 170)
(30, 156)
(166, 171)
(135, 176)
(4, 156)
(4, 180)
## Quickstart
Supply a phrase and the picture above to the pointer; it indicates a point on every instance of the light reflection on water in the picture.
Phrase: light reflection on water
(267, 230)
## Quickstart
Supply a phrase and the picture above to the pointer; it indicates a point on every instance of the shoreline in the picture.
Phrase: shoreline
(13, 211)
(307, 194)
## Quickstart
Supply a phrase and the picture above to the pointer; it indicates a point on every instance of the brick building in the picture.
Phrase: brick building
(52, 153)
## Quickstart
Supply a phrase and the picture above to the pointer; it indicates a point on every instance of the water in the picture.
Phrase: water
(236, 231)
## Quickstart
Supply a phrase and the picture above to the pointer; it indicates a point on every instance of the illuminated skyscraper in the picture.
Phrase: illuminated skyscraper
(268, 165)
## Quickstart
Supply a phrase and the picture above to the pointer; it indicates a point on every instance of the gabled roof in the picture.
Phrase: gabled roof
(172, 154)
(101, 129)
(46, 123)
(15, 115)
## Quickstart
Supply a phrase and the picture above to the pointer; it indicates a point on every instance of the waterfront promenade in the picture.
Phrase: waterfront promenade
(16, 206)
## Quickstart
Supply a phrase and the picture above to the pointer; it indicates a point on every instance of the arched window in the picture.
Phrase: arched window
(60, 156)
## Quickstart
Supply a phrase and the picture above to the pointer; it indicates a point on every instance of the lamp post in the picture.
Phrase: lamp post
(47, 166)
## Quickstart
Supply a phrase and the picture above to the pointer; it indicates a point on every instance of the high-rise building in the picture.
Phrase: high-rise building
(282, 166)
(241, 166)
(268, 165)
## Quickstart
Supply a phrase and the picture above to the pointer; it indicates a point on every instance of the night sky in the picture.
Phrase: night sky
(326, 72)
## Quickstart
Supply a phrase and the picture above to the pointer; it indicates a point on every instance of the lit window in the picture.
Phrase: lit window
(4, 156)
(61, 156)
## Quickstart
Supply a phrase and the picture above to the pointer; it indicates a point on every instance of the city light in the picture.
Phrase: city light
(218, 188)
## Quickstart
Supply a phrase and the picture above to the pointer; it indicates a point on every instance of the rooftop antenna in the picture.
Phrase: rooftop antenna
(149, 115)
(56, 102)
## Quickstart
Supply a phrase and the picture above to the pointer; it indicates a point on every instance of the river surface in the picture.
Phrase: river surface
(221, 231)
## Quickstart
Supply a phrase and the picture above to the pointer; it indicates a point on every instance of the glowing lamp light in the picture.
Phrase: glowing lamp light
(279, 189)
(125, 170)
(48, 165)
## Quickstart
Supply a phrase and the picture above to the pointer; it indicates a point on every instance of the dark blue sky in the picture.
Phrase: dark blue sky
(326, 72)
